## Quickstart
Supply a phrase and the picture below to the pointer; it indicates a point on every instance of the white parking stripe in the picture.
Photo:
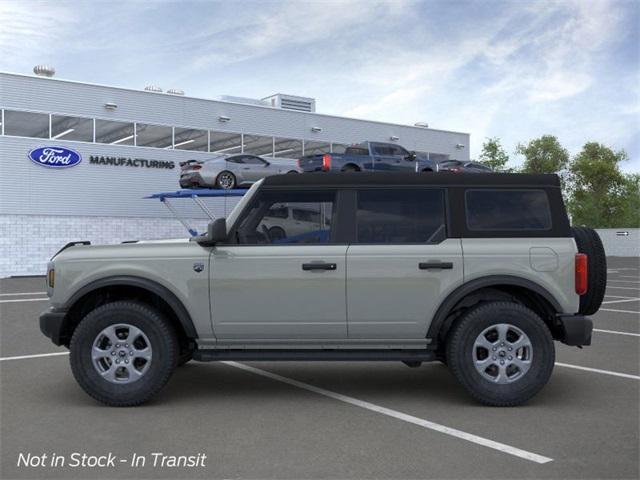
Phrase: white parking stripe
(618, 311)
(597, 370)
(616, 332)
(39, 355)
(615, 287)
(16, 300)
(621, 301)
(21, 293)
(623, 281)
(533, 457)
(628, 276)
(616, 296)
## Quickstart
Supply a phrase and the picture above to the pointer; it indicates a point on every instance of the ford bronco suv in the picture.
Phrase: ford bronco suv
(481, 272)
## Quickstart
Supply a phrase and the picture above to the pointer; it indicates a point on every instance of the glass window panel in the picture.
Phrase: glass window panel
(287, 148)
(71, 128)
(338, 147)
(315, 148)
(190, 139)
(26, 124)
(225, 142)
(157, 136)
(258, 145)
(507, 210)
(288, 217)
(113, 132)
(400, 216)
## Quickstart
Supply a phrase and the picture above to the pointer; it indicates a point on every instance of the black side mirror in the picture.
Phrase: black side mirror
(412, 156)
(217, 231)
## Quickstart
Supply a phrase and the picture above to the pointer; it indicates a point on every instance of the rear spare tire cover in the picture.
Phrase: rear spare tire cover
(588, 242)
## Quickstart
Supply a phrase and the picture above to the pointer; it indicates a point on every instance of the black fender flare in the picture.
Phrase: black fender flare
(132, 281)
(440, 317)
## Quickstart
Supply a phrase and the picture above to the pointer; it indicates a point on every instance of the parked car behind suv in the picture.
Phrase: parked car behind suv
(461, 166)
(230, 171)
(482, 272)
(369, 157)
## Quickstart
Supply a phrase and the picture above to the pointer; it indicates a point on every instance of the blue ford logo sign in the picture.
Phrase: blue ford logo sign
(55, 157)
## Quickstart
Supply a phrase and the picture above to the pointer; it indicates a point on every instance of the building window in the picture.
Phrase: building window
(315, 148)
(71, 128)
(338, 147)
(258, 145)
(26, 124)
(225, 142)
(190, 139)
(287, 148)
(157, 136)
(114, 133)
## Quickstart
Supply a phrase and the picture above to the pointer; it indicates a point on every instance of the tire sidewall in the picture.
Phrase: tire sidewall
(460, 353)
(163, 344)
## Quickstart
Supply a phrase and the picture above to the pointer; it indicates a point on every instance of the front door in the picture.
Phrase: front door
(281, 281)
(401, 264)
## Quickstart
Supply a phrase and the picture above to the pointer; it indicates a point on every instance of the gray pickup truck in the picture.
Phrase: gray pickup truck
(481, 272)
(369, 157)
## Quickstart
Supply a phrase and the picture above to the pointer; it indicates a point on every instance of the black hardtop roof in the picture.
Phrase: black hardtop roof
(310, 180)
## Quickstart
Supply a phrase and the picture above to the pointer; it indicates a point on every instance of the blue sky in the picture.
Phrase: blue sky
(515, 69)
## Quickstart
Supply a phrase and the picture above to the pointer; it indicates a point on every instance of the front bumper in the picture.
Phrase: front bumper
(52, 323)
(575, 330)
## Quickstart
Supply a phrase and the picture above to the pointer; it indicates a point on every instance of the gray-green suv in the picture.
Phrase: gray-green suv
(482, 272)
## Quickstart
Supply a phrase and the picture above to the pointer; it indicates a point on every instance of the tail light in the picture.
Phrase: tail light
(581, 274)
(326, 162)
(455, 169)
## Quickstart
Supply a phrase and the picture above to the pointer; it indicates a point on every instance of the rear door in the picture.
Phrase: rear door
(401, 264)
(281, 281)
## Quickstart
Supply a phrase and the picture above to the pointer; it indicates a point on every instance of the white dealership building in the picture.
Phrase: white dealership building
(128, 145)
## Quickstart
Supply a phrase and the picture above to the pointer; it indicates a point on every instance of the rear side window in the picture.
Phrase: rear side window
(356, 151)
(400, 216)
(507, 210)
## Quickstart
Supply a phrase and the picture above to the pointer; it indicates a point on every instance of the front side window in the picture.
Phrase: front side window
(267, 220)
(400, 216)
(488, 209)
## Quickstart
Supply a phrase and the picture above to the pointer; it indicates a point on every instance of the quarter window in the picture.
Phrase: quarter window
(507, 210)
(268, 222)
(400, 216)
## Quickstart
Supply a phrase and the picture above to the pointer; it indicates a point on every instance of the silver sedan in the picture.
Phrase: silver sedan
(230, 171)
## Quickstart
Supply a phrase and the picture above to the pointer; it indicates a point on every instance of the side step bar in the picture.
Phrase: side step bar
(316, 355)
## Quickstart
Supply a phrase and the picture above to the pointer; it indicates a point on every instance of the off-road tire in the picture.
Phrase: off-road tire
(164, 346)
(460, 344)
(588, 242)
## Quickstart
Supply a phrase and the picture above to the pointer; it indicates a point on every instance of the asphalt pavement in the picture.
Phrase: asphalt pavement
(323, 420)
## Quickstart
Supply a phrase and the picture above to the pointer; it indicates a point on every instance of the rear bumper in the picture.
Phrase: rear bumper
(575, 330)
(52, 325)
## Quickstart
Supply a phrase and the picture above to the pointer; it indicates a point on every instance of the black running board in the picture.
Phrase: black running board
(316, 355)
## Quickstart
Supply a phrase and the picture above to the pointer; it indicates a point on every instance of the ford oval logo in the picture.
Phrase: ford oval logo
(55, 157)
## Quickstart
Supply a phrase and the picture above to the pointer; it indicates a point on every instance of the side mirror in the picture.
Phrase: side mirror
(266, 164)
(217, 230)
(412, 156)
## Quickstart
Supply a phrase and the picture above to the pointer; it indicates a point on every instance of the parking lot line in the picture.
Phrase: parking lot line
(619, 311)
(17, 300)
(616, 332)
(623, 281)
(508, 449)
(628, 276)
(597, 370)
(620, 301)
(39, 355)
(615, 287)
(21, 293)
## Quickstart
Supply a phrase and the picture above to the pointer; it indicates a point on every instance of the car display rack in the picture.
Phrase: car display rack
(196, 196)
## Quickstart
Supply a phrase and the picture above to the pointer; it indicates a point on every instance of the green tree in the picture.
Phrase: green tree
(544, 155)
(493, 155)
(601, 195)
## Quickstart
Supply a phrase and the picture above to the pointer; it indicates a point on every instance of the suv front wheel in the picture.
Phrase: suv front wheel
(123, 353)
(501, 352)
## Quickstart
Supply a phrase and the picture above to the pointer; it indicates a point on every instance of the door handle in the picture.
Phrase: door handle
(319, 266)
(435, 265)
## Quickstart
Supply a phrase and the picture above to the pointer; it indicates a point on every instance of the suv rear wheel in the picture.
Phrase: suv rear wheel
(501, 352)
(123, 353)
